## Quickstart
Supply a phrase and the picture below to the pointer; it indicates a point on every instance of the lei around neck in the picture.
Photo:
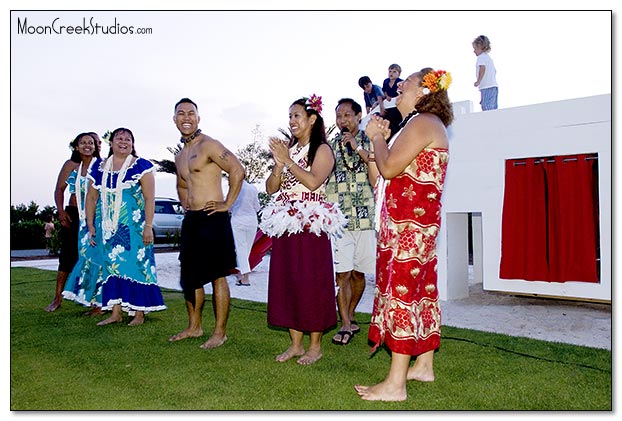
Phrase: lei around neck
(357, 162)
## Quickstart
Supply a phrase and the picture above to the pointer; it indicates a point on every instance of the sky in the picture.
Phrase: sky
(244, 69)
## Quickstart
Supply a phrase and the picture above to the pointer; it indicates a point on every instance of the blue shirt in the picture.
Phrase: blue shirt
(372, 97)
(392, 92)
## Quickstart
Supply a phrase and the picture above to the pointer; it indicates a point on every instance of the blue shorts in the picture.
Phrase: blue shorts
(489, 98)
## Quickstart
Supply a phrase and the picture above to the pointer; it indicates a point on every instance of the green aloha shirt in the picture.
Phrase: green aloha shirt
(348, 185)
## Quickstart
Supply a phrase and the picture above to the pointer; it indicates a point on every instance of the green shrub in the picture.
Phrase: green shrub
(174, 238)
(27, 235)
(55, 240)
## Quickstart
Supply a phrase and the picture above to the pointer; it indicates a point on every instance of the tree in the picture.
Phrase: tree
(27, 225)
(166, 165)
(255, 157)
(47, 211)
(23, 213)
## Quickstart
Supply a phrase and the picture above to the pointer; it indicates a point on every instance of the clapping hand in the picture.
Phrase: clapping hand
(279, 149)
(377, 126)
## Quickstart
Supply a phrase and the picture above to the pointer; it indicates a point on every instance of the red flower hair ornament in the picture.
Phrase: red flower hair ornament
(436, 81)
(314, 103)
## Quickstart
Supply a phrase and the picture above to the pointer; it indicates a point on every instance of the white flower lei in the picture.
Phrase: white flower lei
(110, 222)
(296, 217)
(81, 202)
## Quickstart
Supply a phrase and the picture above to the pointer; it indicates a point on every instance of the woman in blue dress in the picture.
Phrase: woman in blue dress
(125, 186)
(84, 282)
(82, 150)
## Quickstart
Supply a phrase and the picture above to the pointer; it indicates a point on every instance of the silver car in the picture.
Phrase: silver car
(167, 218)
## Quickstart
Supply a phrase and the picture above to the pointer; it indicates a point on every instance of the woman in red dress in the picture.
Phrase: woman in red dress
(406, 315)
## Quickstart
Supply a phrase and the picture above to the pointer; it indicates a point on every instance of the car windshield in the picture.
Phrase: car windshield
(168, 207)
(178, 209)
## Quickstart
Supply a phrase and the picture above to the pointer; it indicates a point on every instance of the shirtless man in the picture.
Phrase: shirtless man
(207, 247)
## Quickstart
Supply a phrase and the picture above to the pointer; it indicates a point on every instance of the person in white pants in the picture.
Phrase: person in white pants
(244, 224)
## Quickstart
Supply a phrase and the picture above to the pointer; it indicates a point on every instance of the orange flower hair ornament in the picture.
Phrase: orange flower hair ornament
(438, 80)
(314, 103)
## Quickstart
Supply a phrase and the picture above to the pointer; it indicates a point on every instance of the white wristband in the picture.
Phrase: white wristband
(359, 148)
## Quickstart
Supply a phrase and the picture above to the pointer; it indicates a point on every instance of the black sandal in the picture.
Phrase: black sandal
(344, 335)
(356, 329)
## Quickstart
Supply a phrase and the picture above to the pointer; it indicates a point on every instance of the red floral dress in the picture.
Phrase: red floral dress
(407, 315)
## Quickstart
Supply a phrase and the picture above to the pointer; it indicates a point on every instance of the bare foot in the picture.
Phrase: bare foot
(382, 392)
(290, 353)
(214, 342)
(94, 311)
(188, 333)
(309, 357)
(53, 306)
(136, 321)
(110, 320)
(421, 375)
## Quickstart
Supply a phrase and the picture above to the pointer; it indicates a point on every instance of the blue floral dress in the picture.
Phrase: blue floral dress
(129, 266)
(85, 280)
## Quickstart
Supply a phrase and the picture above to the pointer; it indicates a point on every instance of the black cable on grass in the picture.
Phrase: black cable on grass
(522, 354)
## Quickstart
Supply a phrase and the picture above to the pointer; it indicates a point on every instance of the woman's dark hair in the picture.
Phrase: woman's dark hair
(75, 154)
(318, 131)
(436, 103)
(121, 130)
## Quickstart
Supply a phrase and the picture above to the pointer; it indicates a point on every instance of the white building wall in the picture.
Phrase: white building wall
(480, 143)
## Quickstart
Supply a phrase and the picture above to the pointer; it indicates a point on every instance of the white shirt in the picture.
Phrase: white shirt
(490, 74)
(246, 205)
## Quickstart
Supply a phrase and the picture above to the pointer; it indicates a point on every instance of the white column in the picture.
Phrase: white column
(457, 244)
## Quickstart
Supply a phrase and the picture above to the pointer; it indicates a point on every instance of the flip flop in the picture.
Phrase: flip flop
(355, 327)
(240, 284)
(344, 335)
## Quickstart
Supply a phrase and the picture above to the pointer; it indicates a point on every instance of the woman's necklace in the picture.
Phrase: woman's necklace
(408, 117)
(110, 220)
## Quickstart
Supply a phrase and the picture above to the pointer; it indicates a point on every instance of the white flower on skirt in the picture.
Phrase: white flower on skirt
(118, 249)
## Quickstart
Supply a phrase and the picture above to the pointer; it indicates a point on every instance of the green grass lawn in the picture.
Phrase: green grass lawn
(63, 361)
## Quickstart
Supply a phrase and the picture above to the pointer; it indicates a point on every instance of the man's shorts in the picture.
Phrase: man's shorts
(207, 250)
(356, 250)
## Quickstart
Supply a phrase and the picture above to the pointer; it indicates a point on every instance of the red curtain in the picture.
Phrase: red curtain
(523, 231)
(572, 228)
(550, 220)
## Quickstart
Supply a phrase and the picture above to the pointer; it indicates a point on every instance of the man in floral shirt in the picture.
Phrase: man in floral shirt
(349, 186)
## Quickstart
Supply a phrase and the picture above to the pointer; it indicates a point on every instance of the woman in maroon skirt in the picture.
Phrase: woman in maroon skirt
(301, 288)
(407, 315)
